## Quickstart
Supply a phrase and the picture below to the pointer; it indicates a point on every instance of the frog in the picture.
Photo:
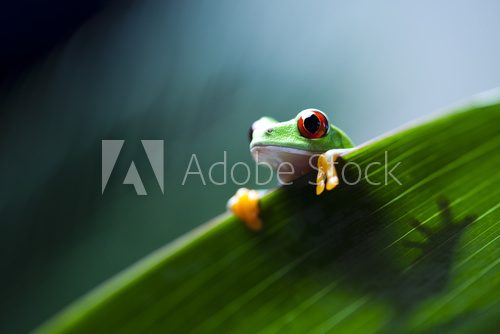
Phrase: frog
(295, 147)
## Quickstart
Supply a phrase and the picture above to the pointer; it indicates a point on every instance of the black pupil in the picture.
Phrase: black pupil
(312, 123)
(250, 133)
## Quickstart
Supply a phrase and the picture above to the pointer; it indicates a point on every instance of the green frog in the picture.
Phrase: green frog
(293, 148)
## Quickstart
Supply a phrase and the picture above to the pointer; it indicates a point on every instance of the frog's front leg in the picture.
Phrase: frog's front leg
(245, 205)
(327, 173)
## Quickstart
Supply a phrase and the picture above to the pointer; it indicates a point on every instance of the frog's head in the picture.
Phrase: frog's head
(296, 140)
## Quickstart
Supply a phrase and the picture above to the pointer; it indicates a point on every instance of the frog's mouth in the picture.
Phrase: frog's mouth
(290, 163)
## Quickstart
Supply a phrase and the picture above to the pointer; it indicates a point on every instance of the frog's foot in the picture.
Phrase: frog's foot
(327, 175)
(245, 205)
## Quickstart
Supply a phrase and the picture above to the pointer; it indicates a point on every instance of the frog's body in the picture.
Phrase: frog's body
(282, 142)
(292, 147)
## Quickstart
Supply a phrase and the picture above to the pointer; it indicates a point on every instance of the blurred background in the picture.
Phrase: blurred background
(195, 74)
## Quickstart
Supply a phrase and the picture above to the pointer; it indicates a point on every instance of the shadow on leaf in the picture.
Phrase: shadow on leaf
(344, 237)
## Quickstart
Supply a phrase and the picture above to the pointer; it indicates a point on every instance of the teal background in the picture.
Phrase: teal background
(197, 74)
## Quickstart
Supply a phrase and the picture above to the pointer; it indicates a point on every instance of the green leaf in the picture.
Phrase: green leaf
(420, 256)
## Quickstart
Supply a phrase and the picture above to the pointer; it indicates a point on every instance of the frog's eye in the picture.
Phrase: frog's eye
(312, 123)
(250, 133)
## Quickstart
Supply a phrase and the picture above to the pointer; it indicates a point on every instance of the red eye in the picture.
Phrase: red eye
(312, 123)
